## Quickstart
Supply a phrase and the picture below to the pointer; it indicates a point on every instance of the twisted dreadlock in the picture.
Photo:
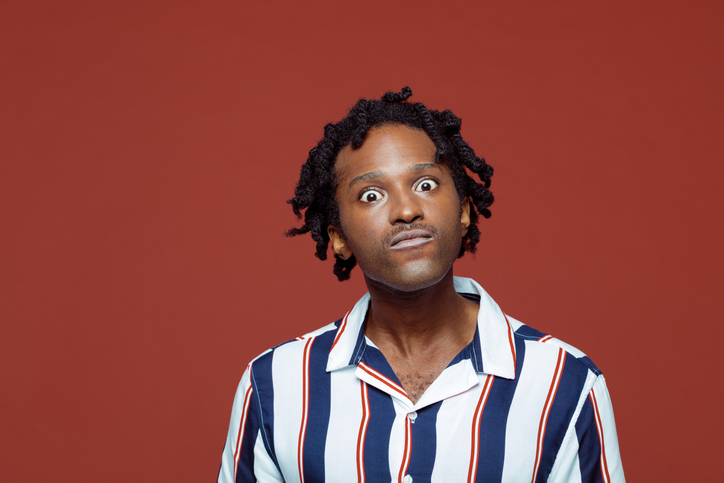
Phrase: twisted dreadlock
(318, 182)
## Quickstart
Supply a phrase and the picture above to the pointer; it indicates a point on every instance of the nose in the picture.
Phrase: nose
(405, 208)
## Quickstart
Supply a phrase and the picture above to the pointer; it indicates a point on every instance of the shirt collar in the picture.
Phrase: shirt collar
(492, 345)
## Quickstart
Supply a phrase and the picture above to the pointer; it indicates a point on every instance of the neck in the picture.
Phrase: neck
(415, 324)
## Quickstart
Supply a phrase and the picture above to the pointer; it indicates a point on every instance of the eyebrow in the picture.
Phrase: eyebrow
(377, 174)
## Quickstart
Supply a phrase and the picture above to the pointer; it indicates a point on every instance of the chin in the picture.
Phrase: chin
(411, 278)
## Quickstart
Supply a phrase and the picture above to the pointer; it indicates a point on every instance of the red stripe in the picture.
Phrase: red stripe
(305, 409)
(475, 442)
(242, 425)
(545, 338)
(342, 326)
(382, 378)
(407, 451)
(546, 409)
(362, 433)
(510, 341)
(599, 427)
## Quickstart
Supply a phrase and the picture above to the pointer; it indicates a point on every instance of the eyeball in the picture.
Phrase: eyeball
(370, 196)
(426, 185)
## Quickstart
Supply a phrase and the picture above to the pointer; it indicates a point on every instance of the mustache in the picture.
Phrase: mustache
(409, 226)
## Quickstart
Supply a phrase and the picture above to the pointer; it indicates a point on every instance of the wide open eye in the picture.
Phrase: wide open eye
(370, 196)
(426, 185)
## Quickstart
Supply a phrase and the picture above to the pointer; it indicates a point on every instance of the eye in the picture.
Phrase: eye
(426, 185)
(370, 196)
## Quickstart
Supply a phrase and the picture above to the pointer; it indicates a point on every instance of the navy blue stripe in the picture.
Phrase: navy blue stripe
(473, 350)
(473, 297)
(245, 467)
(377, 440)
(476, 356)
(284, 343)
(590, 365)
(559, 418)
(470, 353)
(494, 421)
(319, 403)
(529, 333)
(261, 381)
(589, 446)
(464, 354)
(424, 443)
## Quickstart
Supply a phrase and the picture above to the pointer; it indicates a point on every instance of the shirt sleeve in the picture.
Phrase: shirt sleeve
(590, 450)
(245, 458)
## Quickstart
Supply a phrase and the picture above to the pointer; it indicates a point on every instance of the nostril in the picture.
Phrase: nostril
(407, 220)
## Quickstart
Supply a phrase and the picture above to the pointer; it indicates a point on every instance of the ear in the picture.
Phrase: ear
(339, 245)
(465, 215)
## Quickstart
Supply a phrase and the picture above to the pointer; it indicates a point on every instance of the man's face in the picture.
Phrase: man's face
(399, 210)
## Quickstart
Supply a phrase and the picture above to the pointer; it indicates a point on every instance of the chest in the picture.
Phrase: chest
(417, 376)
(366, 434)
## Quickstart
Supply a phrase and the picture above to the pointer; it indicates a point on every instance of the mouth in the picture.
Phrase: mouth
(410, 238)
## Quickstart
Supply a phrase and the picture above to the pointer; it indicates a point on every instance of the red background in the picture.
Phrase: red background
(147, 149)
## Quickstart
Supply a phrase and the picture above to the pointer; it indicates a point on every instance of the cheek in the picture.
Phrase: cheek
(354, 236)
(362, 239)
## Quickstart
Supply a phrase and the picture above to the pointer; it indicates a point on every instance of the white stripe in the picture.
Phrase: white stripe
(526, 409)
(453, 435)
(288, 405)
(610, 438)
(601, 438)
(227, 471)
(340, 452)
(264, 468)
(396, 453)
(543, 425)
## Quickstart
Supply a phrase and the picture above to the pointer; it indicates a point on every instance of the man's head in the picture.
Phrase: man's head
(319, 185)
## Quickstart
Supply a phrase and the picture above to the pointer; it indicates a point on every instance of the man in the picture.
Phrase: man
(425, 379)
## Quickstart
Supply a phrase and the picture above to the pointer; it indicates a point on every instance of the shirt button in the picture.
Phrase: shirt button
(413, 417)
(407, 479)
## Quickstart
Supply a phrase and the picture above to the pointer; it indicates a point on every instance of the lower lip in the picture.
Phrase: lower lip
(412, 242)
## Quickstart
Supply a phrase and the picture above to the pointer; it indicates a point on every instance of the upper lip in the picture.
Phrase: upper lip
(408, 234)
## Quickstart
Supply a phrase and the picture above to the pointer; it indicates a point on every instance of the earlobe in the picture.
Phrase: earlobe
(339, 245)
(465, 215)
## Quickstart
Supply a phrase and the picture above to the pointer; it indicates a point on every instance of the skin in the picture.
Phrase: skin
(390, 186)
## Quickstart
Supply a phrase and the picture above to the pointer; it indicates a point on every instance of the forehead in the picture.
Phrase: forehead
(385, 145)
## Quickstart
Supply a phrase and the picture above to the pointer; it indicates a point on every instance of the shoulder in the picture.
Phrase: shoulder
(546, 344)
(553, 374)
(288, 353)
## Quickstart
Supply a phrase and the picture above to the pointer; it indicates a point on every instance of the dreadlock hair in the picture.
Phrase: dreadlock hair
(318, 181)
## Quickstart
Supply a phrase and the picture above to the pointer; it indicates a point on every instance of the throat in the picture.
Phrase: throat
(420, 336)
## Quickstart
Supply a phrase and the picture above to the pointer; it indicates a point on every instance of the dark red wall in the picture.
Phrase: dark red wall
(147, 148)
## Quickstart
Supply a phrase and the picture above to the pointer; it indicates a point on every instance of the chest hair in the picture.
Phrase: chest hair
(415, 379)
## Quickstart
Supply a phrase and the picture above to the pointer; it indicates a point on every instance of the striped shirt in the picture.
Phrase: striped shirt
(515, 405)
